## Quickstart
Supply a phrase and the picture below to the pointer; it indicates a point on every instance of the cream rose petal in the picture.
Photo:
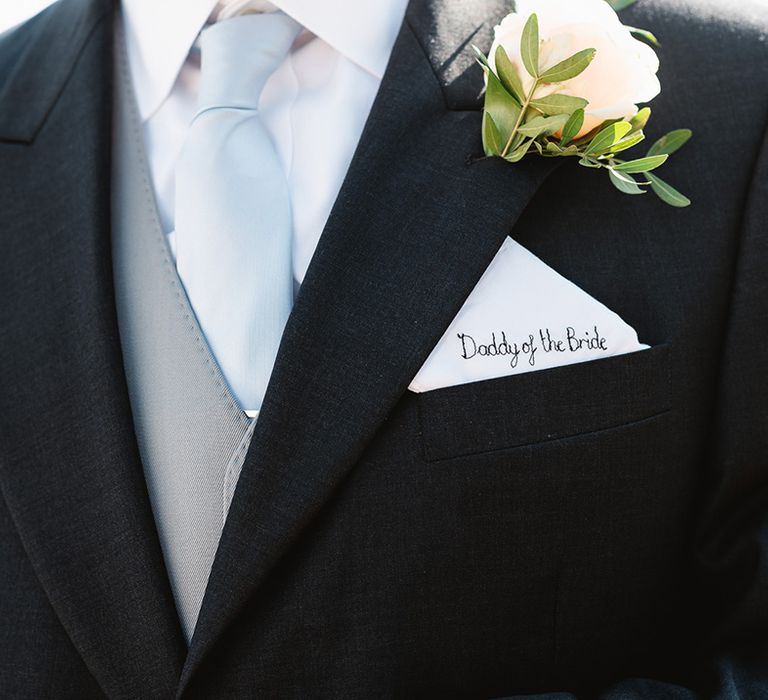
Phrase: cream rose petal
(622, 74)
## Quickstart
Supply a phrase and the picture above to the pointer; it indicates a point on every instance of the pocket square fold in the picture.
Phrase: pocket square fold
(522, 316)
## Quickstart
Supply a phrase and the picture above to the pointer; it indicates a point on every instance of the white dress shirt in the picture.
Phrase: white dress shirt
(315, 104)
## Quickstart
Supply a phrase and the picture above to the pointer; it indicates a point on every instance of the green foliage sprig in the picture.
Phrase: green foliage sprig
(619, 5)
(516, 122)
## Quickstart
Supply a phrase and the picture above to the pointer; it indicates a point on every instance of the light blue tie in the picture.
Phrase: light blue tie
(233, 211)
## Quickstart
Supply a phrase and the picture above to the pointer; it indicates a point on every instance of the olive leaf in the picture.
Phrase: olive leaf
(518, 153)
(666, 192)
(481, 58)
(502, 107)
(508, 75)
(543, 125)
(641, 165)
(529, 46)
(626, 142)
(588, 163)
(671, 142)
(640, 119)
(624, 183)
(555, 148)
(607, 137)
(558, 104)
(568, 68)
(587, 138)
(650, 37)
(619, 5)
(491, 137)
(572, 126)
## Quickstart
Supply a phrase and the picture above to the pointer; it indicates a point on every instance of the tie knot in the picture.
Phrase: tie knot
(239, 54)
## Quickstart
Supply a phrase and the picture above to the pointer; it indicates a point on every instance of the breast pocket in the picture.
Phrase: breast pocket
(534, 407)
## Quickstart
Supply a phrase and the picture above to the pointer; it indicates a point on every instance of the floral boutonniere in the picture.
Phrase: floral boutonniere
(564, 78)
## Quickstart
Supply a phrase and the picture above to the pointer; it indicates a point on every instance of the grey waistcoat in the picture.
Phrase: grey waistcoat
(192, 435)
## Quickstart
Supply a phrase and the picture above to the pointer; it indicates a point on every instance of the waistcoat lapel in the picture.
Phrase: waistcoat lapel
(415, 225)
(69, 466)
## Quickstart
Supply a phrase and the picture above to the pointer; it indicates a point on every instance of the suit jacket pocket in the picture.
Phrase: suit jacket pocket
(537, 406)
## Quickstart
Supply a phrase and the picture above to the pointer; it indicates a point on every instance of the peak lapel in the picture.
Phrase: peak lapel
(413, 229)
(69, 466)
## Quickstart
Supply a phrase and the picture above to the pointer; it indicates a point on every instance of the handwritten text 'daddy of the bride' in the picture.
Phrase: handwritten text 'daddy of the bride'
(543, 341)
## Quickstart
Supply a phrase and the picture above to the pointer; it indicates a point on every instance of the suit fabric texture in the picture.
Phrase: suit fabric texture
(594, 530)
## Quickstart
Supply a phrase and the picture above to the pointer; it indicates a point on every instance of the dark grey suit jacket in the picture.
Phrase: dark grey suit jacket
(598, 529)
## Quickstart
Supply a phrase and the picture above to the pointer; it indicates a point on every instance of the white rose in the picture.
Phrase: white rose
(621, 75)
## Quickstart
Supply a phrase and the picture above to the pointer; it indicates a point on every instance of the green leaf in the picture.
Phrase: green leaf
(587, 163)
(543, 125)
(518, 153)
(587, 138)
(491, 139)
(608, 136)
(482, 59)
(558, 104)
(650, 37)
(627, 142)
(502, 107)
(569, 68)
(639, 121)
(508, 75)
(572, 126)
(553, 148)
(641, 165)
(529, 45)
(670, 142)
(624, 183)
(666, 192)
(619, 5)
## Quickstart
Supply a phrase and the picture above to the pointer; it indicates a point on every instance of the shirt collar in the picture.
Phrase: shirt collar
(159, 36)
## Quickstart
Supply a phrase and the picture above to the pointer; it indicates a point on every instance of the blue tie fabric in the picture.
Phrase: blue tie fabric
(233, 211)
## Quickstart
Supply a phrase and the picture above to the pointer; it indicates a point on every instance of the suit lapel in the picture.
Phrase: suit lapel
(414, 227)
(69, 465)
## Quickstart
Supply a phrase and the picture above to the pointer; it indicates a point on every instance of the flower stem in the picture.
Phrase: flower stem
(523, 110)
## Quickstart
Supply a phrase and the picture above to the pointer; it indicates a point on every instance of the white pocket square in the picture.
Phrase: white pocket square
(522, 317)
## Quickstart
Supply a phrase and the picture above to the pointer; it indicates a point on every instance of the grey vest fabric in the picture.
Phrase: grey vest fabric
(192, 435)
